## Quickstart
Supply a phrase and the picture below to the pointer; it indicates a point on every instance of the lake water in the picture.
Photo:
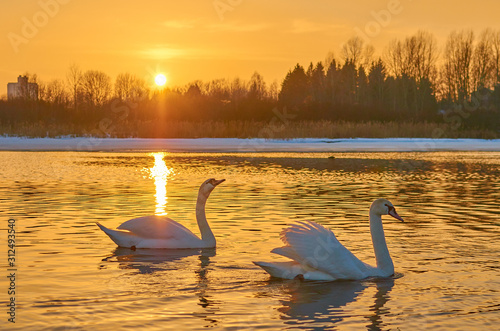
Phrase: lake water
(71, 276)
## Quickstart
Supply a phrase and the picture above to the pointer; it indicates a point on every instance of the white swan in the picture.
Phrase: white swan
(317, 254)
(162, 232)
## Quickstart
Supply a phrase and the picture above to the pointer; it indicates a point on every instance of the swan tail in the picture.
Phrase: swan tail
(288, 252)
(121, 238)
(285, 270)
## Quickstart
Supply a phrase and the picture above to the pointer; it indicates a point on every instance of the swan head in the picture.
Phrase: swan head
(384, 207)
(208, 186)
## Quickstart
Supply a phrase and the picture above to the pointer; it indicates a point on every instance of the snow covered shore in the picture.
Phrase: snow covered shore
(246, 145)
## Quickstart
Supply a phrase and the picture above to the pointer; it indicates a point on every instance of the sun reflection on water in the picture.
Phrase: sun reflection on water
(160, 173)
(445, 249)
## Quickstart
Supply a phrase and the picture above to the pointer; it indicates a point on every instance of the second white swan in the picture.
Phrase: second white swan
(162, 232)
(316, 253)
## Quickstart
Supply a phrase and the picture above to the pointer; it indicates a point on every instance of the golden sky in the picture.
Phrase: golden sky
(209, 39)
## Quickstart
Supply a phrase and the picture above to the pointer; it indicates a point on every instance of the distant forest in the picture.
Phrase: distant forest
(413, 80)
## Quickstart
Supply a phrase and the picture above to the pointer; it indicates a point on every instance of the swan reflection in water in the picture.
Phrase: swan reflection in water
(317, 302)
(151, 260)
(165, 262)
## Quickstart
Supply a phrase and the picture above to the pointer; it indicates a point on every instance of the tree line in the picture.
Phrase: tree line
(411, 80)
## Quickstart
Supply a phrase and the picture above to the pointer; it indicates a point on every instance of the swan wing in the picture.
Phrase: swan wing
(316, 247)
(157, 227)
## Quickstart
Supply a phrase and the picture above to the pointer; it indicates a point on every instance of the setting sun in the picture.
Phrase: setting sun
(160, 79)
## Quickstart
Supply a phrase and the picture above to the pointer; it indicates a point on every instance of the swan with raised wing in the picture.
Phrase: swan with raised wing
(316, 253)
(162, 232)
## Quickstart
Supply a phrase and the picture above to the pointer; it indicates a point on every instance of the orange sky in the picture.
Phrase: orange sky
(208, 39)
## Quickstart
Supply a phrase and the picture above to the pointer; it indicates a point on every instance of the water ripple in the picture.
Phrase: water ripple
(73, 276)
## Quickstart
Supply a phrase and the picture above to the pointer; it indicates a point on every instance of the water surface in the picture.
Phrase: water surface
(72, 276)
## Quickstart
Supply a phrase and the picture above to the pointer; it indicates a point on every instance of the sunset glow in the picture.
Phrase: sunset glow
(205, 40)
(232, 164)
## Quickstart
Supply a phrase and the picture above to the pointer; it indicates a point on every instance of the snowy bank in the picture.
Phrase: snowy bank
(247, 145)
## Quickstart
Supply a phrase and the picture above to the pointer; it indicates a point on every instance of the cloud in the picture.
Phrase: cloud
(168, 52)
(305, 26)
(218, 27)
(180, 24)
(237, 27)
(162, 52)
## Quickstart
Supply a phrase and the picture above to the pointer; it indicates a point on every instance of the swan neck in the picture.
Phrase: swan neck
(384, 261)
(207, 235)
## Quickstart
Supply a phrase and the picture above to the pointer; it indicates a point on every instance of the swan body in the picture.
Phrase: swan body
(316, 254)
(162, 232)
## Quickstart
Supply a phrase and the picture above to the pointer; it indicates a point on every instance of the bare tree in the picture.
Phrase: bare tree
(238, 89)
(273, 90)
(55, 92)
(96, 86)
(414, 57)
(257, 88)
(329, 59)
(457, 65)
(496, 56)
(129, 87)
(483, 61)
(394, 58)
(74, 80)
(426, 55)
(219, 89)
(368, 56)
(352, 51)
(413, 62)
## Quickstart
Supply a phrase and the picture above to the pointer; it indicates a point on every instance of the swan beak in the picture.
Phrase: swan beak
(393, 213)
(217, 182)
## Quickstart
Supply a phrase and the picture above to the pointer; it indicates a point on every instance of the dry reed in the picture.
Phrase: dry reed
(250, 129)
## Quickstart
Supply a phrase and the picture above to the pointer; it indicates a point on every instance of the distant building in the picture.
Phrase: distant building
(22, 89)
